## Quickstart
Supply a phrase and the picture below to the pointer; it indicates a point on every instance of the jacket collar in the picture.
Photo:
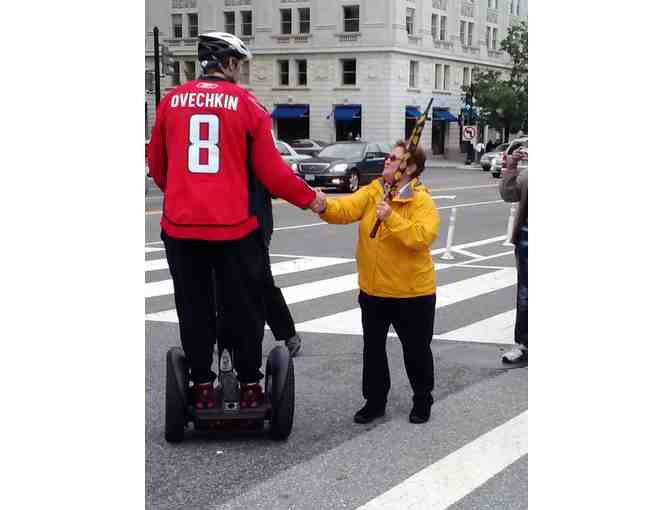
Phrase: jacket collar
(407, 193)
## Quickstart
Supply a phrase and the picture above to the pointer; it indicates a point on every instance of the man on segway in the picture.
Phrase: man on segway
(210, 141)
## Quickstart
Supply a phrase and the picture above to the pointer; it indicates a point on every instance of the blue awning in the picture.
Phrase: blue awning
(412, 112)
(287, 111)
(347, 112)
(443, 115)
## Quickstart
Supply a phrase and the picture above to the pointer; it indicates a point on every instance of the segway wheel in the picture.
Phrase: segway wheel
(280, 386)
(176, 395)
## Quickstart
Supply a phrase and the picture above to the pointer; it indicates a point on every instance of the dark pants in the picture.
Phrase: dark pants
(277, 313)
(239, 274)
(520, 331)
(413, 320)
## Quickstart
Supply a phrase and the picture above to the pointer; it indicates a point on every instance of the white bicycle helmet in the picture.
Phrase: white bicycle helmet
(215, 47)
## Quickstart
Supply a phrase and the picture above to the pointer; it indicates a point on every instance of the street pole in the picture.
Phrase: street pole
(157, 69)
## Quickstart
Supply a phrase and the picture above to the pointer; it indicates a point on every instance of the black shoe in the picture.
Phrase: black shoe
(369, 412)
(421, 410)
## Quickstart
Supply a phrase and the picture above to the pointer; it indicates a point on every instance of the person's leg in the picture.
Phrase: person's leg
(375, 370)
(239, 267)
(519, 352)
(415, 326)
(189, 266)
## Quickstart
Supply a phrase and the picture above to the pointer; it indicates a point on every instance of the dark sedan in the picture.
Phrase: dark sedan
(345, 165)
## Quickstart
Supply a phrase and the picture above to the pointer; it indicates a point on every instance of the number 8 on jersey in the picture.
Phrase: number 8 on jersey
(203, 148)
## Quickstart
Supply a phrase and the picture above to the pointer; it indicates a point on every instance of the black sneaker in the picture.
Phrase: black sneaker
(421, 411)
(516, 355)
(293, 344)
(369, 412)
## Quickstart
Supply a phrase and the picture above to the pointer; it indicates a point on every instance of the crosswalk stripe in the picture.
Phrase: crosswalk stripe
(445, 482)
(349, 322)
(156, 264)
(165, 287)
(149, 249)
(497, 329)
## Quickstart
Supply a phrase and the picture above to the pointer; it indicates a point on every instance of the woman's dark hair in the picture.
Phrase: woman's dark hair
(418, 157)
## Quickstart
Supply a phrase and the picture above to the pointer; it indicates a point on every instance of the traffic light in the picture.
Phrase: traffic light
(167, 61)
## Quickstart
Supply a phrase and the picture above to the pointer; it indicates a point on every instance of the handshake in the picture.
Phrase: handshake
(319, 203)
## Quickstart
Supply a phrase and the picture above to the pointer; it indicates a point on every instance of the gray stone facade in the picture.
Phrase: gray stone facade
(376, 35)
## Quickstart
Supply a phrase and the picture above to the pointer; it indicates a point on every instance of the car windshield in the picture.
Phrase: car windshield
(301, 144)
(282, 149)
(342, 150)
(502, 147)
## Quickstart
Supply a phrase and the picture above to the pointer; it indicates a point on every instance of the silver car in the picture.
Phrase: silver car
(291, 157)
(499, 161)
(487, 157)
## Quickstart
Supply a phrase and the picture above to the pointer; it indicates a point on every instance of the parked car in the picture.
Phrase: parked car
(485, 159)
(498, 163)
(291, 157)
(345, 165)
(307, 146)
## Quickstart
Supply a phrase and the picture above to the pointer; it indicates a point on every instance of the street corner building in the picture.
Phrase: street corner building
(335, 70)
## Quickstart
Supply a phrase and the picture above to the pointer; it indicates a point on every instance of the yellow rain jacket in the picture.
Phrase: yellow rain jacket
(397, 263)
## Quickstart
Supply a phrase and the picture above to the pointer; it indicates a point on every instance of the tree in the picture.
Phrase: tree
(503, 100)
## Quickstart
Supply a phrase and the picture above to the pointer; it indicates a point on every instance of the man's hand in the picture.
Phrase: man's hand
(383, 211)
(319, 203)
(519, 154)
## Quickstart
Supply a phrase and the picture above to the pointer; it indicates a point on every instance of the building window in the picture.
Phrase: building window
(302, 72)
(463, 32)
(494, 38)
(285, 21)
(304, 21)
(446, 77)
(177, 26)
(413, 74)
(442, 34)
(512, 2)
(192, 18)
(437, 76)
(518, 8)
(488, 31)
(351, 18)
(230, 22)
(493, 4)
(410, 21)
(349, 71)
(176, 76)
(470, 34)
(283, 72)
(435, 28)
(246, 23)
(465, 77)
(245, 73)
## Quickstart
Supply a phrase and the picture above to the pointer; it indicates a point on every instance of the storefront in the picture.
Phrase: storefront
(441, 117)
(291, 121)
(348, 122)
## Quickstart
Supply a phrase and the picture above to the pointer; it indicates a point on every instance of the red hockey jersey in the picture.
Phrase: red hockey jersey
(210, 139)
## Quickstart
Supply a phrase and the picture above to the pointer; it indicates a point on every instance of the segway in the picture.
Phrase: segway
(277, 407)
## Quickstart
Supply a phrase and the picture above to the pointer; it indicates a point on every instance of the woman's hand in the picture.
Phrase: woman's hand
(383, 211)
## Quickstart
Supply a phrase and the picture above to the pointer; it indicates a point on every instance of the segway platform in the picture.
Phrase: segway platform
(277, 407)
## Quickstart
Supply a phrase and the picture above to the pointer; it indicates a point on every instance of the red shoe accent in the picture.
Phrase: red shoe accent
(203, 396)
(251, 396)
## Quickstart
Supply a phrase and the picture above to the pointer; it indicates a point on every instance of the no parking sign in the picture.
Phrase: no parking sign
(469, 133)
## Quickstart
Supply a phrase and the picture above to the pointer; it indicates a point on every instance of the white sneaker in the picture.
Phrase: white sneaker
(516, 355)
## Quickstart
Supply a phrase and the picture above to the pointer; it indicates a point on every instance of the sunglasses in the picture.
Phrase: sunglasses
(392, 158)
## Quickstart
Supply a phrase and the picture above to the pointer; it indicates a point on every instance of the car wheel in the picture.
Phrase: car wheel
(352, 183)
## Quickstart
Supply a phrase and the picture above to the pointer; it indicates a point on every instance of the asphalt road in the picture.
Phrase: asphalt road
(472, 454)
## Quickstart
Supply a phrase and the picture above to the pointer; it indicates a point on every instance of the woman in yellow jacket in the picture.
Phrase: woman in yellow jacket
(396, 280)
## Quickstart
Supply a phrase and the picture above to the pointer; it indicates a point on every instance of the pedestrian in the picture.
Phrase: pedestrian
(489, 146)
(278, 315)
(396, 279)
(513, 188)
(210, 139)
(480, 149)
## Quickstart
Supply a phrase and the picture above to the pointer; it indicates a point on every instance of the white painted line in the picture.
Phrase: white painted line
(450, 479)
(466, 253)
(292, 227)
(471, 244)
(165, 287)
(471, 204)
(156, 264)
(497, 329)
(444, 196)
(349, 322)
(150, 250)
(469, 266)
(155, 242)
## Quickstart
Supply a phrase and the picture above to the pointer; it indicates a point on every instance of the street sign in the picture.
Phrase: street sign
(469, 133)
